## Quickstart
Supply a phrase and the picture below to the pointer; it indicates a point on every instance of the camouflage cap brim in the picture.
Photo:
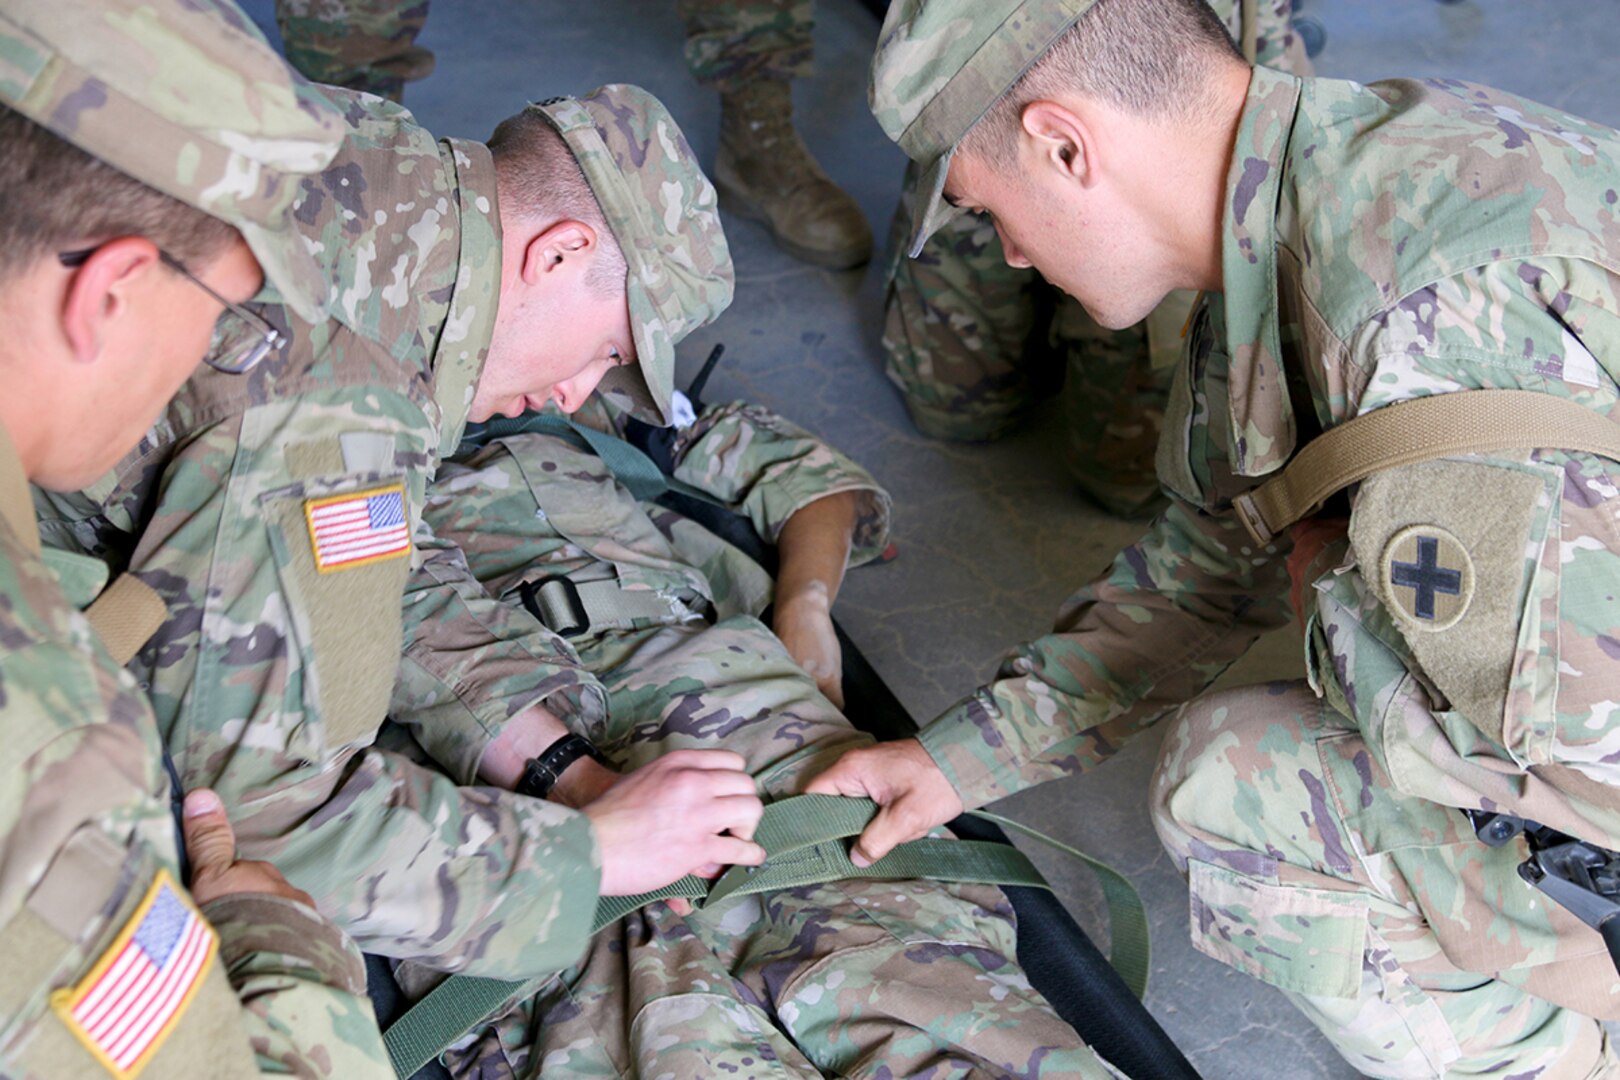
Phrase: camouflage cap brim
(188, 98)
(931, 212)
(664, 214)
(939, 67)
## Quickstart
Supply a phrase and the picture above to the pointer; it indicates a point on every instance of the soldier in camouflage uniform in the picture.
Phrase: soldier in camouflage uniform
(756, 985)
(972, 343)
(279, 517)
(97, 339)
(748, 50)
(1375, 244)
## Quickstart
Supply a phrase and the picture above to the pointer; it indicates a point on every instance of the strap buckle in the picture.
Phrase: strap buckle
(560, 609)
(1254, 522)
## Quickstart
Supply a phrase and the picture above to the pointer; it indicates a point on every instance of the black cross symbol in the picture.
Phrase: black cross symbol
(1426, 576)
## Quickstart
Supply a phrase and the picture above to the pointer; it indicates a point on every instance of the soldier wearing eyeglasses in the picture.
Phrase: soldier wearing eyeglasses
(137, 215)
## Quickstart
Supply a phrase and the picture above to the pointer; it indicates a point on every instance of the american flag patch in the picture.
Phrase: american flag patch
(138, 990)
(352, 530)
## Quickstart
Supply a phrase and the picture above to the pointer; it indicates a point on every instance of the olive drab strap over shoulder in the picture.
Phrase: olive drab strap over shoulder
(1464, 422)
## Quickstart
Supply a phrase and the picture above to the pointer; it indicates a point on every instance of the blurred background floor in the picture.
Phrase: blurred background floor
(992, 537)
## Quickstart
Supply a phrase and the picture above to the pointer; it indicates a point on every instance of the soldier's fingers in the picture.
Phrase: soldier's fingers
(210, 842)
(680, 906)
(892, 826)
(735, 814)
(704, 759)
(730, 851)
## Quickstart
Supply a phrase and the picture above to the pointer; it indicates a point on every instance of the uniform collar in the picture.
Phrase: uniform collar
(16, 504)
(463, 345)
(1262, 419)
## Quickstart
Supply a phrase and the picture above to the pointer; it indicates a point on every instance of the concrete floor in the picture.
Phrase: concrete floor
(991, 537)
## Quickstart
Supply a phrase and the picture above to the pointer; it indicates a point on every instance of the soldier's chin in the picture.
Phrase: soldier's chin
(1116, 312)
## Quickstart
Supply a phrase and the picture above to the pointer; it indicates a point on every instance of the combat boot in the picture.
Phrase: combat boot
(765, 173)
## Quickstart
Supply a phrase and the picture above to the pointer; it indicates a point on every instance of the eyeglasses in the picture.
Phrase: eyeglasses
(241, 337)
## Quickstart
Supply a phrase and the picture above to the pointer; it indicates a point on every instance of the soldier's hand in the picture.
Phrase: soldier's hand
(215, 869)
(690, 810)
(804, 623)
(912, 794)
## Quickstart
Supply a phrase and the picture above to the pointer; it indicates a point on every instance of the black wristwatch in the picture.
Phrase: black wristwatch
(541, 773)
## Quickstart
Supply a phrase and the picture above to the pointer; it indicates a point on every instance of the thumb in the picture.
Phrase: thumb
(880, 837)
(210, 842)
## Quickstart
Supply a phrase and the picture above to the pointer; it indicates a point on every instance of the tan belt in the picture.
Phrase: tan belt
(126, 615)
(1465, 422)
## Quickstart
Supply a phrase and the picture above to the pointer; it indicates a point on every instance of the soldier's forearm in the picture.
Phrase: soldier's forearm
(814, 546)
(525, 736)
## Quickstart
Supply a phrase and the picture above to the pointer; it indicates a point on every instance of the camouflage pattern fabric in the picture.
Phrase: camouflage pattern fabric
(93, 71)
(276, 670)
(849, 978)
(731, 42)
(1354, 295)
(365, 45)
(87, 831)
(1311, 870)
(973, 343)
(371, 44)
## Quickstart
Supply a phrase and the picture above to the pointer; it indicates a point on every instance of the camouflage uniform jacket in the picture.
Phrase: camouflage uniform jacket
(88, 834)
(745, 456)
(279, 661)
(1380, 243)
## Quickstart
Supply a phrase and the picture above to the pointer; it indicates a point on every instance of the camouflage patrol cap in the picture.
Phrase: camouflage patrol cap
(940, 65)
(186, 97)
(665, 216)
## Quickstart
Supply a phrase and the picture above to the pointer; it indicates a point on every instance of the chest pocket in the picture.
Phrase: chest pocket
(583, 503)
(112, 972)
(341, 540)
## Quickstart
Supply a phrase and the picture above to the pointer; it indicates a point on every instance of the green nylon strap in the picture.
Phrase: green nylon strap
(639, 473)
(802, 837)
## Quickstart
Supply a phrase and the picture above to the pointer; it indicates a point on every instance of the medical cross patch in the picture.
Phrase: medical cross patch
(136, 993)
(1429, 576)
(346, 531)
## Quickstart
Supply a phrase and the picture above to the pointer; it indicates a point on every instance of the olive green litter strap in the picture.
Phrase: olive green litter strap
(803, 839)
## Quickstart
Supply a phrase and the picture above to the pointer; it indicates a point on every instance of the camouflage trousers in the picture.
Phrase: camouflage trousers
(973, 344)
(854, 978)
(357, 44)
(371, 44)
(1309, 871)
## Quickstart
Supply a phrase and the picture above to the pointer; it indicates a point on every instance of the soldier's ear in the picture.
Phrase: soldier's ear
(559, 247)
(99, 292)
(1057, 138)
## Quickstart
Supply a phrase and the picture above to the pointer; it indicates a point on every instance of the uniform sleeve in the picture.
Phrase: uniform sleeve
(91, 798)
(468, 879)
(767, 468)
(1173, 611)
(302, 985)
(471, 662)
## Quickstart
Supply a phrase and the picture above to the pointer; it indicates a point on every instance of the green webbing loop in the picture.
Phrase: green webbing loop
(639, 473)
(803, 839)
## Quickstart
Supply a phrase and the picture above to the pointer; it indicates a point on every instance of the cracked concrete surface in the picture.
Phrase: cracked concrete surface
(991, 538)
